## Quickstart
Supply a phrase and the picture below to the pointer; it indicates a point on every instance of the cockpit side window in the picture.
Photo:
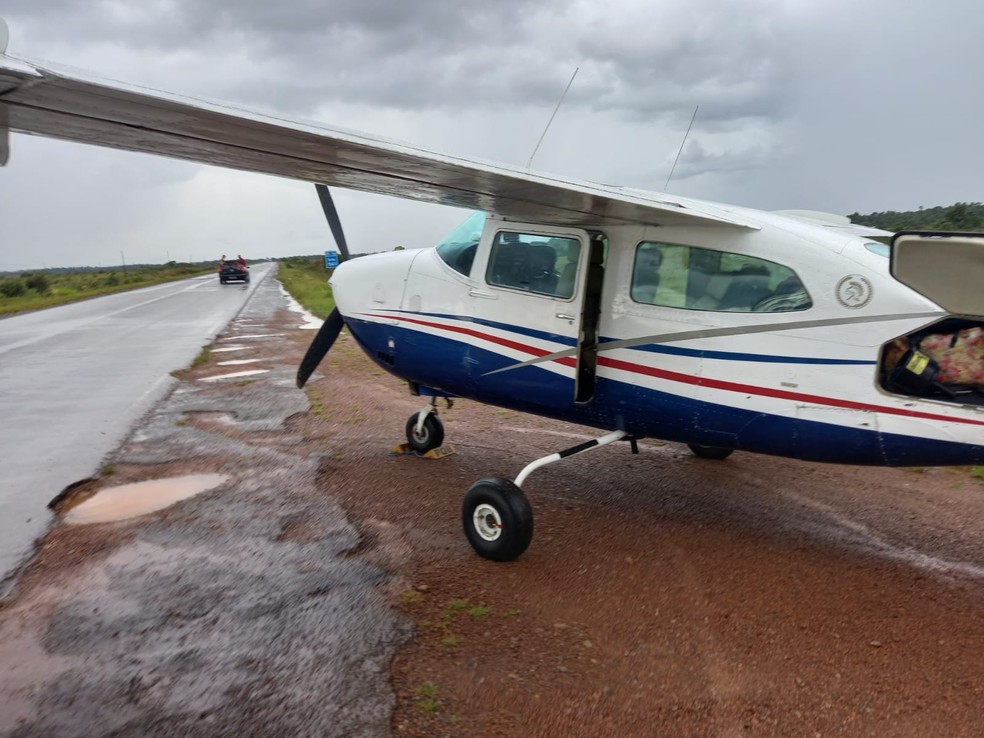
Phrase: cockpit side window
(534, 263)
(674, 275)
(458, 248)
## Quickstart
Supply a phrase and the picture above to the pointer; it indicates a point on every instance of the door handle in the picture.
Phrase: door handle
(481, 293)
(565, 316)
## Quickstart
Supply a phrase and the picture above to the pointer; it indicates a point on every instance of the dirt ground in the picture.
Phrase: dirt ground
(662, 594)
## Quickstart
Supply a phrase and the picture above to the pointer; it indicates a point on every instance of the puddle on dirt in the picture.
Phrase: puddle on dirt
(130, 500)
(236, 362)
(230, 348)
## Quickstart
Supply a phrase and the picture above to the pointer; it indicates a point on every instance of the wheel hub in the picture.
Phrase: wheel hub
(487, 522)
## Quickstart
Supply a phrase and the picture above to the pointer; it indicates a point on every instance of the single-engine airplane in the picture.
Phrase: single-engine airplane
(640, 314)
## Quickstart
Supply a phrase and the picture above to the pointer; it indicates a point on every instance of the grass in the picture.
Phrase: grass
(977, 471)
(306, 279)
(451, 640)
(427, 697)
(46, 288)
(203, 356)
(480, 612)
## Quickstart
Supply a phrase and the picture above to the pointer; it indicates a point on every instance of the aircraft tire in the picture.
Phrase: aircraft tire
(497, 518)
(431, 436)
(710, 452)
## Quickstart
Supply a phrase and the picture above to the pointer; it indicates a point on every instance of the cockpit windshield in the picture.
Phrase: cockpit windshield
(458, 247)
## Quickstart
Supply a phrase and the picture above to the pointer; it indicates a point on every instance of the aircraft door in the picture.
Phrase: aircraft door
(945, 267)
(533, 306)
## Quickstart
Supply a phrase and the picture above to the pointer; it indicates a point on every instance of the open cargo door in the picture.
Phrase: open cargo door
(947, 268)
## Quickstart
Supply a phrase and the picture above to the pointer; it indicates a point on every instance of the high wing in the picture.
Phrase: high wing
(70, 105)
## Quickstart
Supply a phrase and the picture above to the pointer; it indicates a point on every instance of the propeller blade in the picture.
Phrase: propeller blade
(319, 346)
(334, 222)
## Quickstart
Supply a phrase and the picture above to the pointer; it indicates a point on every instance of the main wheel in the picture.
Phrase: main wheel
(431, 436)
(497, 518)
(710, 452)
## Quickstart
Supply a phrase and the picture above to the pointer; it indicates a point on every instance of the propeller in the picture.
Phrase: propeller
(334, 323)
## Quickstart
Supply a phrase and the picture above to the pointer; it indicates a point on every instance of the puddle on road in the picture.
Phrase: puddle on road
(130, 500)
(234, 375)
(251, 336)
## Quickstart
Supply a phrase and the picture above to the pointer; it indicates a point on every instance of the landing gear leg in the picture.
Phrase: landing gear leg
(496, 515)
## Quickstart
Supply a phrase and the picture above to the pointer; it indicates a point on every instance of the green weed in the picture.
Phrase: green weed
(427, 697)
(203, 356)
(480, 612)
(451, 640)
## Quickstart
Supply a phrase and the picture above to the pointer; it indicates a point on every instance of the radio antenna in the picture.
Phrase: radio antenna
(536, 148)
(692, 119)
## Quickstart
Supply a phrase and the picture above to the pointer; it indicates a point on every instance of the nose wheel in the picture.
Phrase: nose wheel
(425, 435)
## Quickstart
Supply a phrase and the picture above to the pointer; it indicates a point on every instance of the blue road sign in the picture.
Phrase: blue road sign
(331, 259)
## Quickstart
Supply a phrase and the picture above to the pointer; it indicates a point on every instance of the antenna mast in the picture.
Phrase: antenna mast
(692, 119)
(536, 148)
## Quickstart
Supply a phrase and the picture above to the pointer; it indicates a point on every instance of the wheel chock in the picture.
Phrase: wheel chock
(435, 453)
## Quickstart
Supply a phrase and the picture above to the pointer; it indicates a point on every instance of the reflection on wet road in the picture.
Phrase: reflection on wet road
(74, 379)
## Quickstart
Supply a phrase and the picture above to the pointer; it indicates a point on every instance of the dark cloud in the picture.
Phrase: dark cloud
(646, 61)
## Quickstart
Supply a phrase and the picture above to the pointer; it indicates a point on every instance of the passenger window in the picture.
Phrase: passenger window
(688, 277)
(534, 263)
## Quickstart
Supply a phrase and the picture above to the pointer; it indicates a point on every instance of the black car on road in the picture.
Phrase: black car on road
(233, 272)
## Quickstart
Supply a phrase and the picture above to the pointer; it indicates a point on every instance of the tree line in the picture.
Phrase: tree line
(961, 216)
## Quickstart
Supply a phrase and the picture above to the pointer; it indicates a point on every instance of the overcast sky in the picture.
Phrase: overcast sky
(835, 105)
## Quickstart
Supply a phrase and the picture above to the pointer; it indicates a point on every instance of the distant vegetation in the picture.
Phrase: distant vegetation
(962, 216)
(50, 287)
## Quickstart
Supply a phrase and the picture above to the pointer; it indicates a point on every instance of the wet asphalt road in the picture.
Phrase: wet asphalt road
(243, 611)
(74, 379)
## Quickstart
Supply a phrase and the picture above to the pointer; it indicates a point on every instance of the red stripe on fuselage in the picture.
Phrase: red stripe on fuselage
(525, 348)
